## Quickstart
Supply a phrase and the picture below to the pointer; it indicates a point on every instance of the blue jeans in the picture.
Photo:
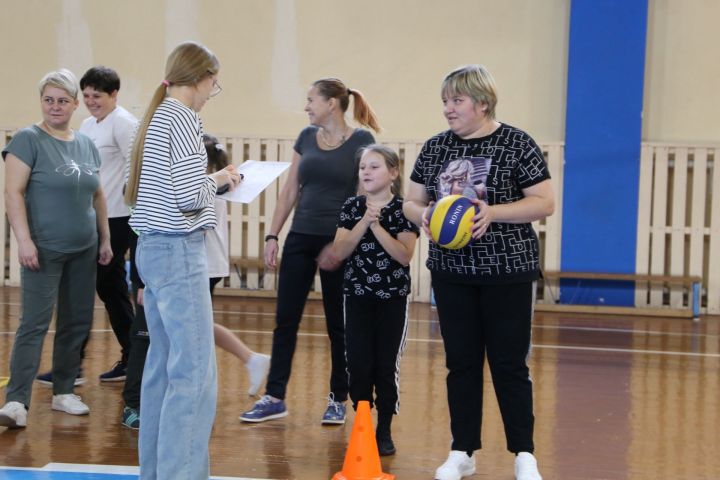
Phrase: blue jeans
(179, 385)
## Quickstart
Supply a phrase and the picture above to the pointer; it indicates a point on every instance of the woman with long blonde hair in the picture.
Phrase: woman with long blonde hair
(172, 198)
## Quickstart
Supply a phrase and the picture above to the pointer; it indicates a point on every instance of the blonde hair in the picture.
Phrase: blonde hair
(476, 82)
(392, 162)
(187, 65)
(63, 79)
(362, 112)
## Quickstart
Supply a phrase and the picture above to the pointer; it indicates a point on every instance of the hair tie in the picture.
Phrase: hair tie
(349, 92)
(166, 83)
(219, 146)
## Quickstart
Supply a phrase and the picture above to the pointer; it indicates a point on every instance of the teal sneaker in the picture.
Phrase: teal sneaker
(131, 418)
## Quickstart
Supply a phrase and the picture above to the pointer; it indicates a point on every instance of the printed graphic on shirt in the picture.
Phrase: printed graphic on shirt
(74, 168)
(465, 176)
(370, 270)
(503, 164)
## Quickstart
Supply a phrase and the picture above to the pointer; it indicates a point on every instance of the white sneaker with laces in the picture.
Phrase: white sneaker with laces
(526, 467)
(457, 466)
(257, 367)
(69, 403)
(13, 415)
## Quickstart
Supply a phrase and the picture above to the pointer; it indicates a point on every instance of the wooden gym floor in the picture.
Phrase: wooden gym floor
(615, 398)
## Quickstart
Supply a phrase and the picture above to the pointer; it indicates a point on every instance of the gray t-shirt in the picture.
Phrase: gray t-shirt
(327, 178)
(59, 194)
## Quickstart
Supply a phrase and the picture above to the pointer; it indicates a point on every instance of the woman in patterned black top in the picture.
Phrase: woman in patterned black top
(378, 241)
(484, 291)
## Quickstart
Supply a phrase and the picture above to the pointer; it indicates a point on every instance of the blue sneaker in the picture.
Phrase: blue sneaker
(265, 409)
(131, 418)
(335, 412)
(46, 379)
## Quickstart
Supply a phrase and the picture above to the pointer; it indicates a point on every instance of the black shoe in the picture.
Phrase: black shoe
(46, 379)
(385, 445)
(115, 374)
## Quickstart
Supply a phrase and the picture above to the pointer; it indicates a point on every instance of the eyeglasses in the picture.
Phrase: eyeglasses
(61, 102)
(216, 88)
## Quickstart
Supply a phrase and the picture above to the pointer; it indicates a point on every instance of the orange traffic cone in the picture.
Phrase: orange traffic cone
(362, 461)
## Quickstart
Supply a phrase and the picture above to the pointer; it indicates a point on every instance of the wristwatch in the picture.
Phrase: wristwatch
(271, 237)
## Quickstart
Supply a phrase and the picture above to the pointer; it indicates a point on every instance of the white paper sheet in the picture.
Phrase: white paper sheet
(258, 175)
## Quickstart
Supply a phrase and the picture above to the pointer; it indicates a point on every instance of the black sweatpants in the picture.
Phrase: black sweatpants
(140, 342)
(297, 272)
(139, 338)
(112, 287)
(492, 320)
(375, 335)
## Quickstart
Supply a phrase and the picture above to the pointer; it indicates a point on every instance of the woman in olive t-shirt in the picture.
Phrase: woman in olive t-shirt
(57, 211)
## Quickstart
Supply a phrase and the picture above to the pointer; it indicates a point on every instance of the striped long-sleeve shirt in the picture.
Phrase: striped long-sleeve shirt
(175, 194)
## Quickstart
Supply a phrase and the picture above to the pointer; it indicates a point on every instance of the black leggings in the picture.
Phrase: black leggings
(297, 272)
(375, 335)
(476, 320)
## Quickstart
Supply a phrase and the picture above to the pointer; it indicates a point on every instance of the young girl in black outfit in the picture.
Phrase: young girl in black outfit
(378, 241)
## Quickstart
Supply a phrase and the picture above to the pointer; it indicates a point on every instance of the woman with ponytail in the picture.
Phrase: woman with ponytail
(173, 205)
(322, 176)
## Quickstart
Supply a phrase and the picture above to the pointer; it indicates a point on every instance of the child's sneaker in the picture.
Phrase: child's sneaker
(69, 403)
(334, 413)
(526, 467)
(457, 466)
(115, 374)
(131, 418)
(46, 379)
(265, 409)
(13, 415)
(257, 367)
(385, 444)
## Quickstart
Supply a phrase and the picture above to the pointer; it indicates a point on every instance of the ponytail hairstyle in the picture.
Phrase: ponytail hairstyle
(392, 162)
(362, 112)
(216, 153)
(187, 65)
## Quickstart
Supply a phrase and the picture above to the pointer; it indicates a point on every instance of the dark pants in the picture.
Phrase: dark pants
(140, 342)
(112, 287)
(375, 335)
(476, 320)
(297, 272)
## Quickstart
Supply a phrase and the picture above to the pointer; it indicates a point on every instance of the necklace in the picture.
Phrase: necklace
(327, 143)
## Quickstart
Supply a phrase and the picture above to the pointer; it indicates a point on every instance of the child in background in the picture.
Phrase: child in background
(378, 241)
(216, 243)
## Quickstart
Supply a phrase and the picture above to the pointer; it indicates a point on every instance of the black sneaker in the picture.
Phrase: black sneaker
(385, 444)
(115, 374)
(46, 379)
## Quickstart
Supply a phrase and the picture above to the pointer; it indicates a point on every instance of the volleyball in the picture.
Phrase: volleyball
(451, 221)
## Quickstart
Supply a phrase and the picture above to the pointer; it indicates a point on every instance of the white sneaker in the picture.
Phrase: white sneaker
(257, 367)
(526, 467)
(13, 415)
(69, 403)
(457, 466)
